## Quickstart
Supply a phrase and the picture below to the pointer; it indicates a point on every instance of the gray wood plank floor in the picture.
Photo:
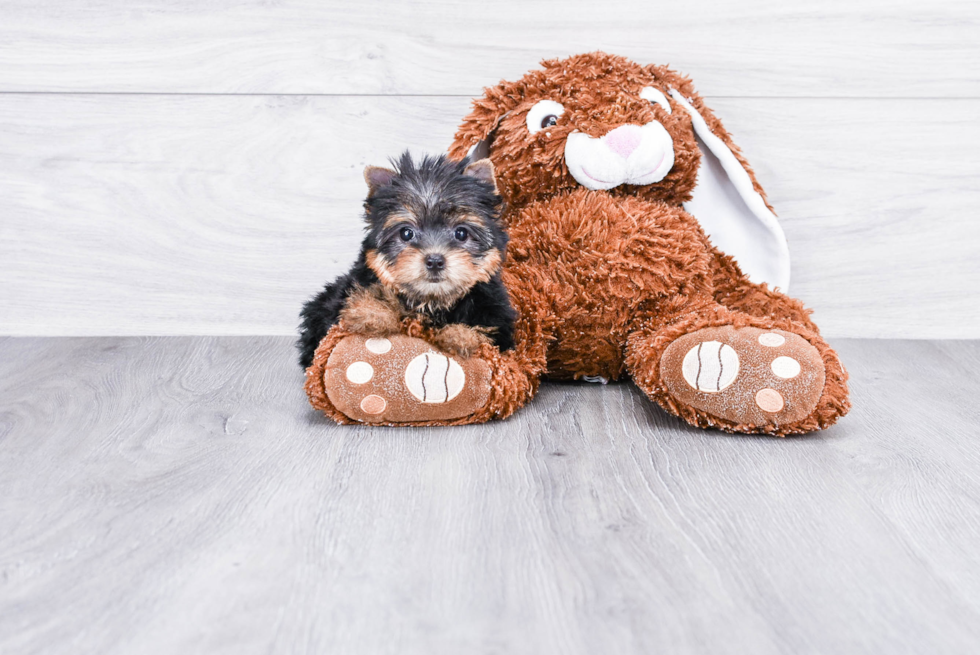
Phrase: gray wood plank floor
(164, 495)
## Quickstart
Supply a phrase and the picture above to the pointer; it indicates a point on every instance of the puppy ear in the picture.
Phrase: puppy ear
(377, 177)
(729, 203)
(482, 170)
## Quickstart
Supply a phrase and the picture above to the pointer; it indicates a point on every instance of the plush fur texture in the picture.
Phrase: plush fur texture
(604, 281)
(433, 253)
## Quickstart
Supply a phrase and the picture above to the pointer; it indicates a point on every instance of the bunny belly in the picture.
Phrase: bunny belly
(592, 265)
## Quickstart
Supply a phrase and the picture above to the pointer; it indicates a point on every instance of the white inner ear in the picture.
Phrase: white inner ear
(657, 96)
(732, 213)
(479, 150)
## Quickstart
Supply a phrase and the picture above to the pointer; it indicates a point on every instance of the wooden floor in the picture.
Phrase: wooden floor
(178, 495)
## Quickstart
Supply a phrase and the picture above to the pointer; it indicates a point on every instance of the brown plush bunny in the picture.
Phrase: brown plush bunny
(615, 175)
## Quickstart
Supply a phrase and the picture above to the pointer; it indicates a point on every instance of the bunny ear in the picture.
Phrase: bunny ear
(731, 212)
(480, 150)
(475, 135)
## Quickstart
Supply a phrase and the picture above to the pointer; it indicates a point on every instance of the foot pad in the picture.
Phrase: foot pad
(402, 379)
(747, 376)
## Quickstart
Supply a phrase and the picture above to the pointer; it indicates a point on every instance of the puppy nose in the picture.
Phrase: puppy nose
(624, 139)
(435, 262)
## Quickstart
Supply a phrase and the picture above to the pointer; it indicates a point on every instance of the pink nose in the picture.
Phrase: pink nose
(624, 139)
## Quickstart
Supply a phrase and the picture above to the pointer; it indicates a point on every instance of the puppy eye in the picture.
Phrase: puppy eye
(461, 234)
(656, 97)
(406, 233)
(544, 114)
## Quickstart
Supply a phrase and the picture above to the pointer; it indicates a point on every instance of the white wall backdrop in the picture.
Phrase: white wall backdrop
(195, 168)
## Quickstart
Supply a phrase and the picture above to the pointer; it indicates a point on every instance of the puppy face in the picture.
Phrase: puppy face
(596, 121)
(434, 228)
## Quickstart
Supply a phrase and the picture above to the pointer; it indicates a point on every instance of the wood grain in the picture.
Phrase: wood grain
(163, 495)
(221, 215)
(757, 48)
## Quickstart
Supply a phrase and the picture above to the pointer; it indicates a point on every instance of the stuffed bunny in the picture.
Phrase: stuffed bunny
(640, 243)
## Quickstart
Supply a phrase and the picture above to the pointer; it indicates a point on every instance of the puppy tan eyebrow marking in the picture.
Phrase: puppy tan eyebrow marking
(466, 219)
(401, 217)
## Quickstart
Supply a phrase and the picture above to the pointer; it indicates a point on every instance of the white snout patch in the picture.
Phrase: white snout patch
(630, 154)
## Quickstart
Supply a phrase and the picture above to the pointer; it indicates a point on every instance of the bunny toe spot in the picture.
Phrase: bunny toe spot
(378, 346)
(769, 400)
(771, 339)
(360, 372)
(785, 367)
(373, 404)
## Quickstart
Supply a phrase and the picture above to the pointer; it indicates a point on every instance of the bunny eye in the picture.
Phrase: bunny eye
(544, 114)
(656, 97)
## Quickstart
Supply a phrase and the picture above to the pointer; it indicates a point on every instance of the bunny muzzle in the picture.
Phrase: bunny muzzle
(629, 154)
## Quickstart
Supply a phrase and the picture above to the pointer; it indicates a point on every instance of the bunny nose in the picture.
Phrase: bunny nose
(624, 139)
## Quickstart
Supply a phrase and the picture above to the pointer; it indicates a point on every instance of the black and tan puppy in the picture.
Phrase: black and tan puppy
(433, 249)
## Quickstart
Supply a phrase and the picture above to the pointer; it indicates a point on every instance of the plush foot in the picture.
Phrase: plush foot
(747, 376)
(401, 379)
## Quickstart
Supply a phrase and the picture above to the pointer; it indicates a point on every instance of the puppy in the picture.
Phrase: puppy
(433, 250)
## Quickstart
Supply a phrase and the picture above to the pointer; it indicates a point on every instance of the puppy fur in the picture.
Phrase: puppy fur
(434, 249)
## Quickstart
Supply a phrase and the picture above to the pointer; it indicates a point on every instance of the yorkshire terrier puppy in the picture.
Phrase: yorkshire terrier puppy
(434, 248)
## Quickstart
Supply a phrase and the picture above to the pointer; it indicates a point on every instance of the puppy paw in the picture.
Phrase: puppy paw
(371, 312)
(460, 340)
(749, 376)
